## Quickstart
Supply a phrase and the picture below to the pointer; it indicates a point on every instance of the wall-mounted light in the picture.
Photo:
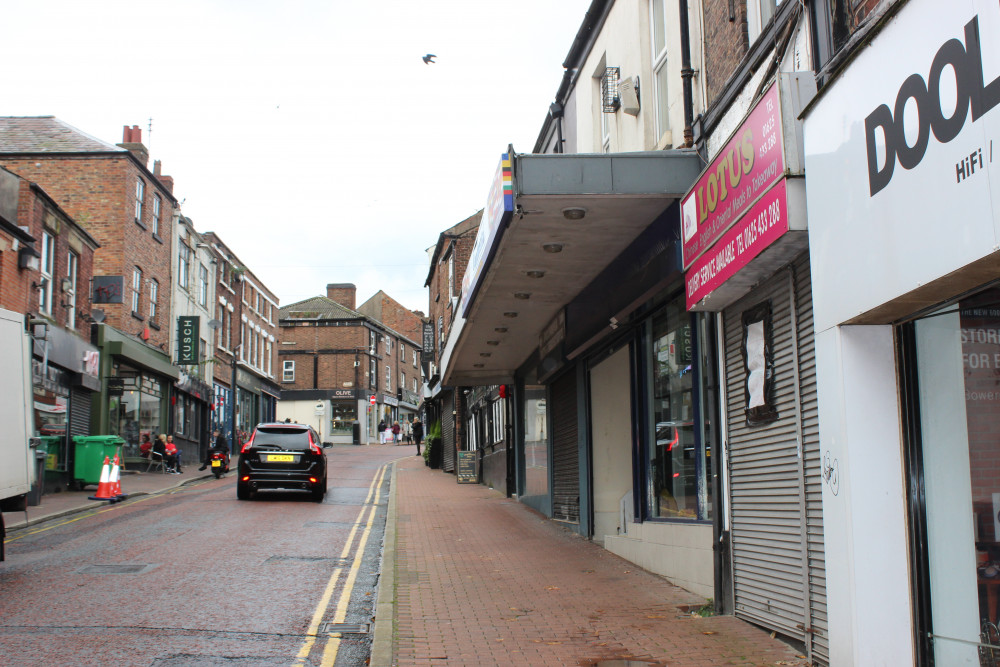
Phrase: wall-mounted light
(510, 314)
(535, 273)
(486, 355)
(552, 248)
(574, 213)
(493, 343)
(522, 296)
(500, 329)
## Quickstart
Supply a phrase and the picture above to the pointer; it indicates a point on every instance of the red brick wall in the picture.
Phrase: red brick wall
(99, 194)
(726, 42)
(16, 292)
(345, 294)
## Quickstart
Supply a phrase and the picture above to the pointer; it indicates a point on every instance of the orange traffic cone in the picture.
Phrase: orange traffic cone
(104, 491)
(116, 485)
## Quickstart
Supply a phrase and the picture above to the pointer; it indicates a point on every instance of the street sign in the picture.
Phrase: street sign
(371, 399)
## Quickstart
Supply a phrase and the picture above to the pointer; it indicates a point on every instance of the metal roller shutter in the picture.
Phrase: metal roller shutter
(79, 412)
(448, 434)
(565, 460)
(775, 486)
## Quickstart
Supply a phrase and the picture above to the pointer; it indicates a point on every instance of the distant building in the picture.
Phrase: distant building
(245, 342)
(335, 360)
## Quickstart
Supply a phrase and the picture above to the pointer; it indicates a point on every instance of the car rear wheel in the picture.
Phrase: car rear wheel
(242, 492)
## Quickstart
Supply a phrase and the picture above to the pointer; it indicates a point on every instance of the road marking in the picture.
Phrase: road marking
(324, 601)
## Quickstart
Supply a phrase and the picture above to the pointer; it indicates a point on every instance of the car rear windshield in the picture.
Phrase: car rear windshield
(283, 438)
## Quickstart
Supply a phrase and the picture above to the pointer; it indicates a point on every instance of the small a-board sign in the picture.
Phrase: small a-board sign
(467, 468)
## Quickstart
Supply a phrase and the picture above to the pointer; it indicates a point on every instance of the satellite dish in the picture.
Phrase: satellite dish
(214, 324)
(97, 315)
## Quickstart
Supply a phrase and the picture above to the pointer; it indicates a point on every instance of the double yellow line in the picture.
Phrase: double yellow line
(340, 613)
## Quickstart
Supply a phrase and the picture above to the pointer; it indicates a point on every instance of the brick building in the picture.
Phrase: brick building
(335, 359)
(46, 261)
(111, 193)
(448, 260)
(244, 343)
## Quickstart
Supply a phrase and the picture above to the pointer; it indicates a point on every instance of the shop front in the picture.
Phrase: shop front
(343, 415)
(65, 380)
(136, 380)
(904, 204)
(746, 259)
(191, 420)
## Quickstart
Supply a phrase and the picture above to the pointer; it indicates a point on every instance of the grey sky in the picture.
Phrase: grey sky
(310, 135)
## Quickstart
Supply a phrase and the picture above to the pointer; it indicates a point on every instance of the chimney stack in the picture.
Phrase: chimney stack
(132, 142)
(342, 293)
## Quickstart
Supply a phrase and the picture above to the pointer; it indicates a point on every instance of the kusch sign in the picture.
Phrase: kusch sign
(966, 62)
(187, 339)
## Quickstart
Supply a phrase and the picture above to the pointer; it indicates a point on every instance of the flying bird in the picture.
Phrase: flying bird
(429, 58)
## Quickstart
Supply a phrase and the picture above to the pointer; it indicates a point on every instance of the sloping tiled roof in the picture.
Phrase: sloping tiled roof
(47, 134)
(318, 307)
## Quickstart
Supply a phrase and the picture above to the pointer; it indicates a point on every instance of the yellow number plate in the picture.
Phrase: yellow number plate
(280, 458)
(216, 463)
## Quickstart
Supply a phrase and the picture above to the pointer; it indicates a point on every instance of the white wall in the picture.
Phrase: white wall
(625, 42)
(611, 440)
(864, 510)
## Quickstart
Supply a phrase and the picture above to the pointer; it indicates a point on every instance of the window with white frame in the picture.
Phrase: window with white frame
(72, 276)
(388, 345)
(659, 23)
(414, 358)
(157, 205)
(402, 353)
(402, 379)
(243, 340)
(388, 379)
(372, 346)
(47, 268)
(136, 289)
(202, 284)
(154, 292)
(414, 385)
(288, 371)
(268, 367)
(183, 265)
(140, 195)
(759, 13)
(371, 374)
(228, 326)
(451, 275)
(441, 331)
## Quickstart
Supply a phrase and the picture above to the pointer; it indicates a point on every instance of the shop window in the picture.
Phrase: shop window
(536, 442)
(343, 414)
(758, 360)
(677, 462)
(288, 371)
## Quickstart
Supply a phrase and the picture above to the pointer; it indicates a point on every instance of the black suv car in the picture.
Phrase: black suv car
(282, 456)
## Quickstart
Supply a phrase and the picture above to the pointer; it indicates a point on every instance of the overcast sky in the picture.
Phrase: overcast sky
(309, 134)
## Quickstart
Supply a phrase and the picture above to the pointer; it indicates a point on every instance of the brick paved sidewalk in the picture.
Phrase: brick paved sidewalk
(479, 579)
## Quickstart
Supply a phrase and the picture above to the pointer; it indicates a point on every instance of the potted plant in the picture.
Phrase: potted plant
(432, 446)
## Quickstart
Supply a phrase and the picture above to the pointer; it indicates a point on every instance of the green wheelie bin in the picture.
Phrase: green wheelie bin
(89, 460)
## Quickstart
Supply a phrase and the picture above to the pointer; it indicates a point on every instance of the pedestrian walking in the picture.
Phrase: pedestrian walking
(407, 430)
(418, 433)
(395, 433)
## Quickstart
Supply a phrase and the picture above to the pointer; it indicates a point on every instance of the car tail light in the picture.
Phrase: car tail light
(316, 449)
(248, 444)
(313, 480)
(246, 478)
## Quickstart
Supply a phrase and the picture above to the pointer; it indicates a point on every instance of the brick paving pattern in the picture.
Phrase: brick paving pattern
(483, 580)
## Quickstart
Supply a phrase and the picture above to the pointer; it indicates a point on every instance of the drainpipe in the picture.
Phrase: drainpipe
(686, 74)
(556, 111)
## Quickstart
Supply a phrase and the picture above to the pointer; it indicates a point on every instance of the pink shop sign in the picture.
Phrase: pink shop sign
(753, 159)
(763, 224)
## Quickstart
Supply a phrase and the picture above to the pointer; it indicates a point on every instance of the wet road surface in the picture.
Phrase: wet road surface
(197, 577)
